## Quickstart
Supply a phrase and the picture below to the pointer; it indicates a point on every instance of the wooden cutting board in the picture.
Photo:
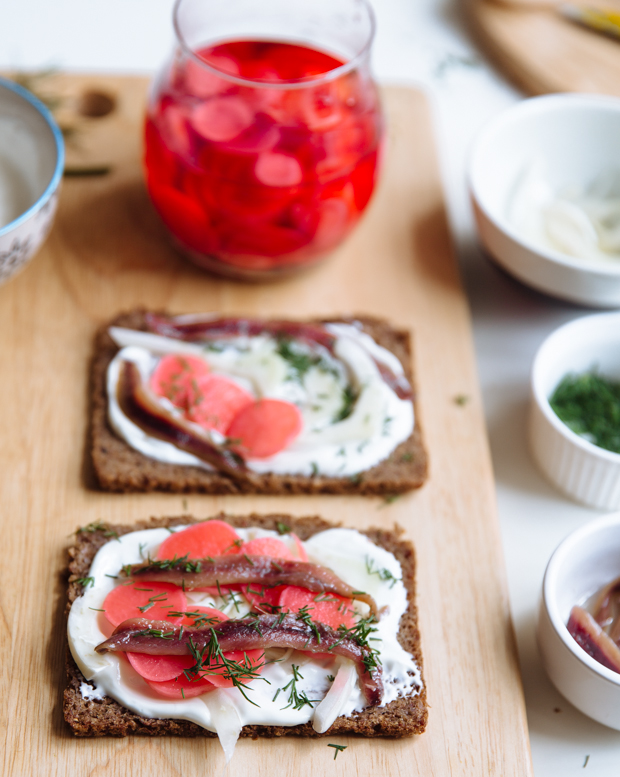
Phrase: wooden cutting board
(543, 52)
(107, 253)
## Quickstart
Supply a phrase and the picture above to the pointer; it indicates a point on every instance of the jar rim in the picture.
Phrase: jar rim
(297, 83)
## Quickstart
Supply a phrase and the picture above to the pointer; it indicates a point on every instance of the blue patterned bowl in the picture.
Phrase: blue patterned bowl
(31, 164)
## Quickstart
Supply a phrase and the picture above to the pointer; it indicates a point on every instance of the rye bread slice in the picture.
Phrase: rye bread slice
(118, 467)
(405, 716)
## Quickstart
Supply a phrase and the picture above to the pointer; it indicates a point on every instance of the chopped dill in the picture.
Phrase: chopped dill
(283, 528)
(589, 405)
(346, 408)
(86, 581)
(297, 699)
(383, 574)
(98, 526)
(299, 362)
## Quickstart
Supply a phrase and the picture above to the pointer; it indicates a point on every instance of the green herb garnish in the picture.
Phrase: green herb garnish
(338, 749)
(296, 699)
(98, 526)
(348, 401)
(383, 574)
(589, 405)
(283, 528)
(299, 361)
(86, 581)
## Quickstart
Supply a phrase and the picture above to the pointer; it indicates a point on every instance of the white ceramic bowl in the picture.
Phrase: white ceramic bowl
(31, 165)
(583, 563)
(581, 469)
(578, 137)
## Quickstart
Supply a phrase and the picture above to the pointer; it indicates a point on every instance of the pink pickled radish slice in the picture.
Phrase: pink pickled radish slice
(218, 401)
(155, 599)
(159, 668)
(222, 118)
(176, 378)
(182, 688)
(275, 169)
(182, 215)
(211, 538)
(331, 609)
(266, 546)
(266, 427)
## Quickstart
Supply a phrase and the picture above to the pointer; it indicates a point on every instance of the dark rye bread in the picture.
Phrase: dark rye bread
(403, 717)
(119, 467)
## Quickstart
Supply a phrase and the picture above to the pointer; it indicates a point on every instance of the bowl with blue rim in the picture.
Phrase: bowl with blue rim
(31, 166)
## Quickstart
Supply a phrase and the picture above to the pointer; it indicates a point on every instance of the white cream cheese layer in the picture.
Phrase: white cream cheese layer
(377, 423)
(348, 553)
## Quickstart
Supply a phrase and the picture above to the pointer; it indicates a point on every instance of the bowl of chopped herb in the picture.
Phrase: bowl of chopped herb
(574, 424)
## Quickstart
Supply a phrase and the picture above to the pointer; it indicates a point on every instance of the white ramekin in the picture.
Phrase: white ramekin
(578, 137)
(582, 470)
(582, 564)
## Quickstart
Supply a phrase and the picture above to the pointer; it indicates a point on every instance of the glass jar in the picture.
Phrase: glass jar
(263, 132)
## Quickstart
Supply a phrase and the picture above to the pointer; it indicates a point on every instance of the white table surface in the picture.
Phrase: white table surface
(422, 42)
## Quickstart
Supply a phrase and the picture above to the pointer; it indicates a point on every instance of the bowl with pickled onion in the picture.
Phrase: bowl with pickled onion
(578, 628)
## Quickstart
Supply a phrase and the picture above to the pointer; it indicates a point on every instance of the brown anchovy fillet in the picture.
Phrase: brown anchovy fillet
(140, 635)
(143, 409)
(214, 328)
(590, 636)
(238, 569)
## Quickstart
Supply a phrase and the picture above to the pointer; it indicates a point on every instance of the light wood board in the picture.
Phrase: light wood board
(107, 253)
(543, 52)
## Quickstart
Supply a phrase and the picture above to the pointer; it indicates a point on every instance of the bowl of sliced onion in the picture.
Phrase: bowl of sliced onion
(579, 620)
(544, 179)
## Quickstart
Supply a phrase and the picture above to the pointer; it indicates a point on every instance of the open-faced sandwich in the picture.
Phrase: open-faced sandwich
(251, 626)
(237, 405)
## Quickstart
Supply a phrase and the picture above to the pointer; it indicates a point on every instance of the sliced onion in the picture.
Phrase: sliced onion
(336, 698)
(224, 718)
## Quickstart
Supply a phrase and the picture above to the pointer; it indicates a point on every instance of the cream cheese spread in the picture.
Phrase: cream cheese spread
(351, 555)
(332, 442)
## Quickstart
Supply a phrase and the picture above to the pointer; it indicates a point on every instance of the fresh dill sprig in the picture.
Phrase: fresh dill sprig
(155, 633)
(348, 400)
(283, 528)
(86, 581)
(98, 526)
(157, 599)
(382, 573)
(338, 749)
(297, 699)
(299, 361)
